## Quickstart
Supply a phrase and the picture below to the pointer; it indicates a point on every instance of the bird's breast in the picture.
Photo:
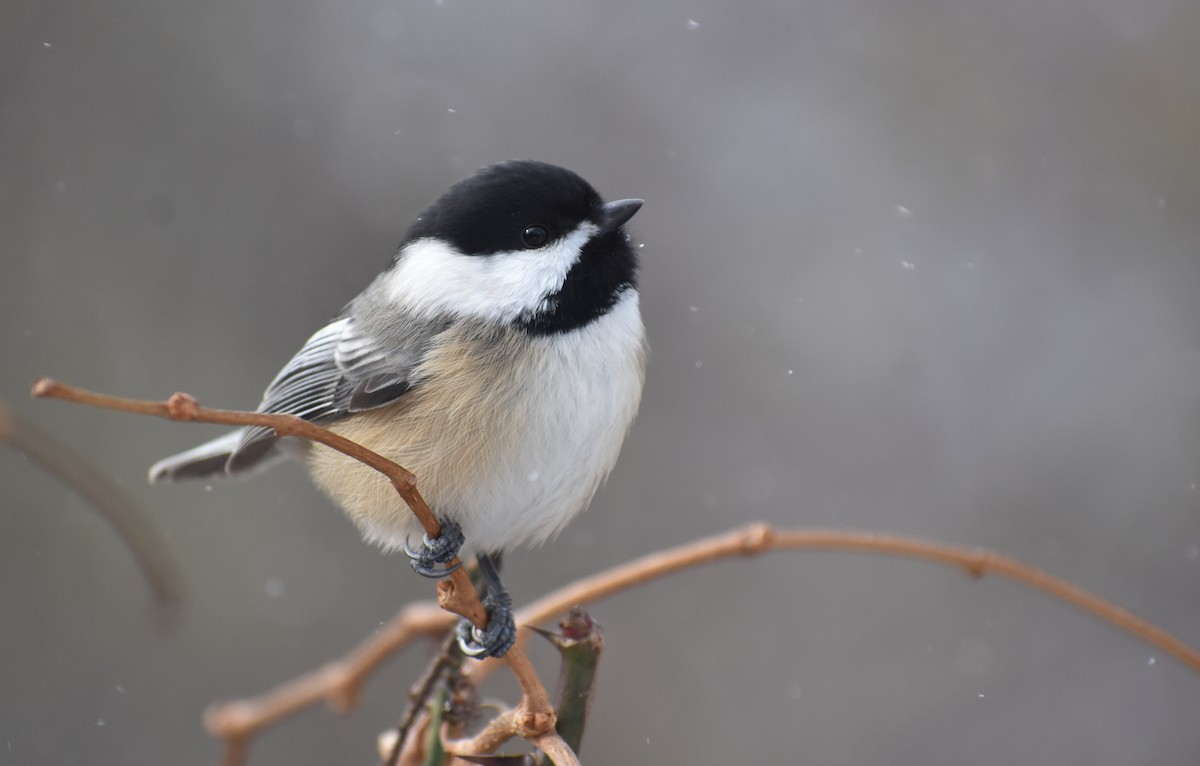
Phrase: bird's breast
(510, 434)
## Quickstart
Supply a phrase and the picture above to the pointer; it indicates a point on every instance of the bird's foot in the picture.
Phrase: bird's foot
(497, 638)
(440, 550)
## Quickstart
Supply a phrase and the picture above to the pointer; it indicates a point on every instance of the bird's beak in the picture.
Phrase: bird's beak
(615, 214)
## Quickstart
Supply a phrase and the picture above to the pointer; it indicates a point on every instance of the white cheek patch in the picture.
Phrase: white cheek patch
(432, 277)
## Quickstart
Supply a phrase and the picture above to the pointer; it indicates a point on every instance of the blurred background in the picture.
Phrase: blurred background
(923, 266)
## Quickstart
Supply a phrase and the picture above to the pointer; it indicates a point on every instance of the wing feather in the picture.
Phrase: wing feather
(343, 368)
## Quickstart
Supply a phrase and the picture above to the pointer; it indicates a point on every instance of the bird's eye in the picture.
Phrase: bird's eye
(535, 236)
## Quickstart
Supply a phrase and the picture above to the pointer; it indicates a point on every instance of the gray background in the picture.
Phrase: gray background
(926, 266)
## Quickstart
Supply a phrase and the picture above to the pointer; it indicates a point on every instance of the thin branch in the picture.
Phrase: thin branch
(455, 594)
(184, 407)
(534, 718)
(556, 749)
(412, 747)
(447, 654)
(503, 728)
(149, 549)
(499, 730)
(338, 683)
(755, 539)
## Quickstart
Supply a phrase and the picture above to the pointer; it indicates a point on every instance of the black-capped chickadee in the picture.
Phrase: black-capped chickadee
(500, 359)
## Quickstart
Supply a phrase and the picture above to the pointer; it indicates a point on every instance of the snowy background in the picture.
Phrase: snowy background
(923, 266)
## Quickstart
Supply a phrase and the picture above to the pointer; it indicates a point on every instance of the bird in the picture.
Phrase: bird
(500, 358)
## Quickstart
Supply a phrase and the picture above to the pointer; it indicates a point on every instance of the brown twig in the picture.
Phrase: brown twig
(184, 407)
(752, 540)
(447, 655)
(499, 730)
(556, 749)
(149, 549)
(503, 728)
(338, 683)
(412, 747)
(755, 539)
(530, 720)
(455, 594)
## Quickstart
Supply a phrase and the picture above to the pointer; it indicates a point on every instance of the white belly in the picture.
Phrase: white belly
(511, 441)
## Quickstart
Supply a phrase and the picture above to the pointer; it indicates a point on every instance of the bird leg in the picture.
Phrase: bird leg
(438, 550)
(501, 631)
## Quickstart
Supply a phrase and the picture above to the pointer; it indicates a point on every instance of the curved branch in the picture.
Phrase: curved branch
(338, 683)
(455, 593)
(534, 718)
(755, 539)
(184, 407)
(751, 540)
(503, 728)
(149, 549)
(556, 749)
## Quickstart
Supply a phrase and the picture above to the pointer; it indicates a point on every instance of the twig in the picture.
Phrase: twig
(503, 728)
(447, 653)
(534, 718)
(338, 683)
(755, 539)
(184, 407)
(455, 594)
(556, 749)
(499, 730)
(149, 549)
(752, 540)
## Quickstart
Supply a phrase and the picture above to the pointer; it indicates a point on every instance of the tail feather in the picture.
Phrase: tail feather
(213, 460)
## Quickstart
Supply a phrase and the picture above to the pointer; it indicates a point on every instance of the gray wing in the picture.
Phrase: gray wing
(344, 368)
(347, 366)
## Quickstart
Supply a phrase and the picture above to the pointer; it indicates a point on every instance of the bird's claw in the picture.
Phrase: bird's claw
(438, 550)
(497, 638)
